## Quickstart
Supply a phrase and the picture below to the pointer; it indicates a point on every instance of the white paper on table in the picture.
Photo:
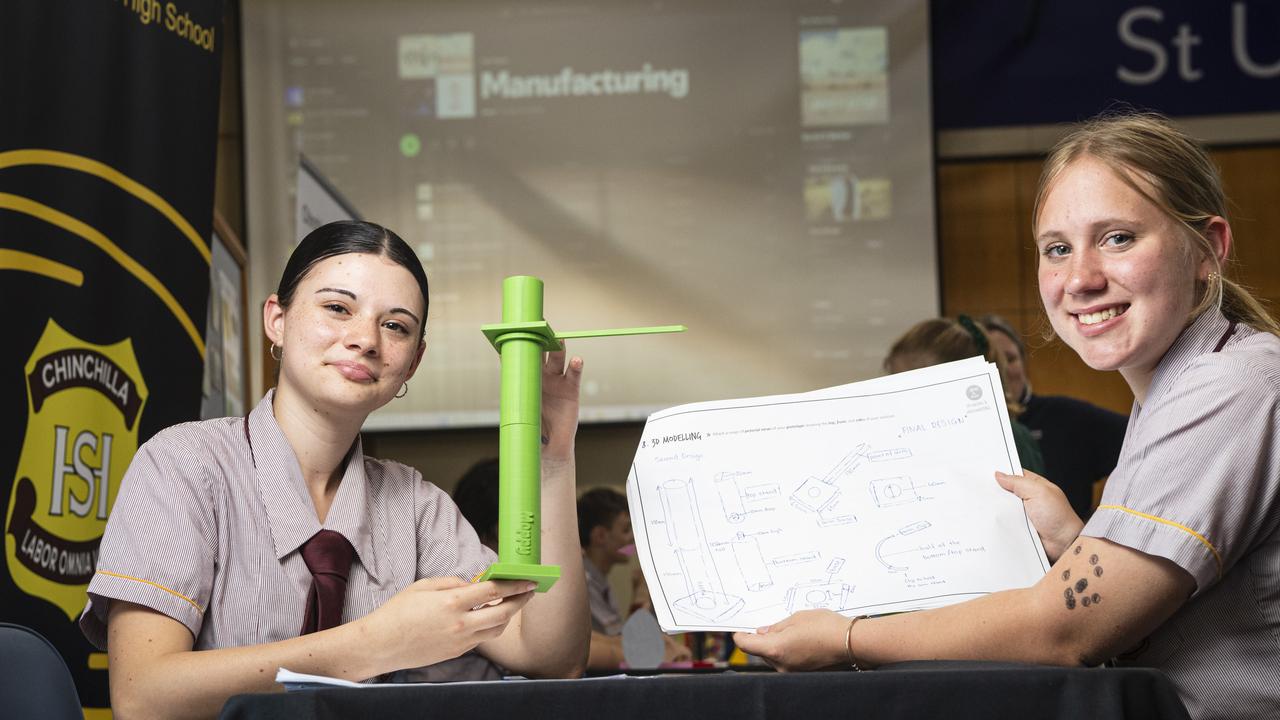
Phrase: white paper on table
(868, 498)
(295, 681)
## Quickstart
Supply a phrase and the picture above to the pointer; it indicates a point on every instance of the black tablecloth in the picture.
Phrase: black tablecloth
(910, 690)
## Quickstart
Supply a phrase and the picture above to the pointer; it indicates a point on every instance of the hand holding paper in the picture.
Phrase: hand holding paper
(867, 498)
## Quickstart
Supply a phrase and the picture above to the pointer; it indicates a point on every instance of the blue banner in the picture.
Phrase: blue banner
(1065, 60)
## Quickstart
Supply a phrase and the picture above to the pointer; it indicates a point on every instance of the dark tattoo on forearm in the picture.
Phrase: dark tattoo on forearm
(1069, 594)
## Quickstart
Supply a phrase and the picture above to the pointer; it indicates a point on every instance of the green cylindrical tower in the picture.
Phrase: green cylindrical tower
(520, 425)
(521, 338)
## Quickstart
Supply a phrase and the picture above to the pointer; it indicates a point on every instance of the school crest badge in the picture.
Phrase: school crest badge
(84, 404)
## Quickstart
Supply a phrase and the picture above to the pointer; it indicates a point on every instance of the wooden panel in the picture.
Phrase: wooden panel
(1055, 369)
(1252, 179)
(228, 188)
(1028, 175)
(989, 261)
(977, 205)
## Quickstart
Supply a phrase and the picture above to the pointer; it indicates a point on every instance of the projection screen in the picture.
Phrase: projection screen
(761, 172)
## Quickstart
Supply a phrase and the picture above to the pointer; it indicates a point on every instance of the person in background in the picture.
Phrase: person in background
(943, 340)
(476, 495)
(604, 530)
(239, 546)
(1080, 441)
(1179, 568)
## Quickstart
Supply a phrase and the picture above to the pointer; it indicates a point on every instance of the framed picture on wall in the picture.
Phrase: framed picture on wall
(226, 366)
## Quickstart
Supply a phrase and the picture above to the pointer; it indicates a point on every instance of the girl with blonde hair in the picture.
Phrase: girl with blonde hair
(1179, 569)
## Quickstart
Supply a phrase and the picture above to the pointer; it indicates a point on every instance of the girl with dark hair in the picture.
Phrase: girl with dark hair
(1179, 568)
(239, 546)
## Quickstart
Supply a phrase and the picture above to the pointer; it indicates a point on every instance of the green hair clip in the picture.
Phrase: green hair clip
(979, 337)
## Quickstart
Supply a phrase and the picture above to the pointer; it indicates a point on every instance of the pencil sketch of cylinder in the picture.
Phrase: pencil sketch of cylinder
(700, 578)
(682, 521)
(706, 598)
(755, 574)
(731, 496)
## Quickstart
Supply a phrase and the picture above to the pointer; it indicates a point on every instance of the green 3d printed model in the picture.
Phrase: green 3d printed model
(520, 339)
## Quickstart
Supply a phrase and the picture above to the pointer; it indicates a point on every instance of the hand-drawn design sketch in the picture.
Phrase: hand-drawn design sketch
(706, 598)
(822, 495)
(893, 491)
(818, 595)
(814, 495)
(755, 574)
(730, 493)
(890, 454)
(868, 498)
(882, 554)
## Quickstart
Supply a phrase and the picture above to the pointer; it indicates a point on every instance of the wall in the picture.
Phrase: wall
(989, 265)
(228, 193)
(604, 452)
(986, 261)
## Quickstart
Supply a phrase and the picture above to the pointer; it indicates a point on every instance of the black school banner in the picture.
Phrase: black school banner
(108, 125)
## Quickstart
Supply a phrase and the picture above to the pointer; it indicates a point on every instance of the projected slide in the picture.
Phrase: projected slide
(758, 171)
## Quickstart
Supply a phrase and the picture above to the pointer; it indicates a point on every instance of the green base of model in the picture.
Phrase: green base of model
(520, 339)
(544, 575)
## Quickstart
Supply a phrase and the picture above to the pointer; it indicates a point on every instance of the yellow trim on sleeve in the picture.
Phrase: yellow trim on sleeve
(1217, 558)
(152, 584)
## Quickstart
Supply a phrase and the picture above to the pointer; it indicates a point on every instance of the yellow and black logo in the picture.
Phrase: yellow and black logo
(84, 405)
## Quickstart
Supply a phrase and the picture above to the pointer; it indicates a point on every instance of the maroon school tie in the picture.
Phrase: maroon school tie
(328, 556)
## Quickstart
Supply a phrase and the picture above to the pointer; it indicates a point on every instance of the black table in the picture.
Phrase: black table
(908, 690)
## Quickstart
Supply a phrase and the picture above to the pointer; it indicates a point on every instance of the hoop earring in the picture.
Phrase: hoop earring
(403, 391)
(276, 352)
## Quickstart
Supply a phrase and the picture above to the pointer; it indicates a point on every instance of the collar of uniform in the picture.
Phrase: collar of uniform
(351, 509)
(595, 576)
(1199, 338)
(291, 515)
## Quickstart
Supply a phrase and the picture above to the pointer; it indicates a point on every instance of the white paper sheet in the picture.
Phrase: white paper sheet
(868, 498)
(295, 681)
